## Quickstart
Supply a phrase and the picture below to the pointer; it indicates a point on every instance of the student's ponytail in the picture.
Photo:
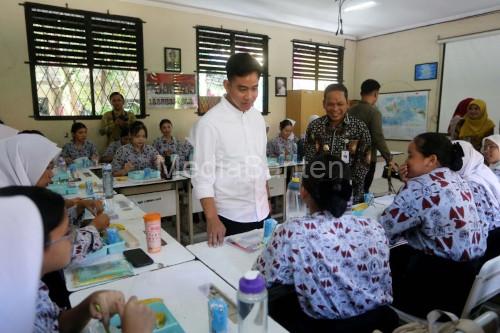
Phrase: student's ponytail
(456, 161)
(330, 187)
(338, 197)
(449, 155)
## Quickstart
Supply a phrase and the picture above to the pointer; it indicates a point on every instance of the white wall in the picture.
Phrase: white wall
(391, 59)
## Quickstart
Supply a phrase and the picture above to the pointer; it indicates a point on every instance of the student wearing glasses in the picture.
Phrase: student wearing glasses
(58, 238)
(491, 152)
(28, 162)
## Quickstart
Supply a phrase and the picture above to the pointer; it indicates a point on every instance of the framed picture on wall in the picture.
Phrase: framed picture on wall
(280, 86)
(427, 71)
(172, 59)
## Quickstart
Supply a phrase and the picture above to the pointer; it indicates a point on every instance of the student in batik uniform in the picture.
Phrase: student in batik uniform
(483, 183)
(137, 155)
(115, 145)
(58, 242)
(491, 152)
(185, 154)
(436, 214)
(486, 188)
(283, 144)
(338, 263)
(79, 145)
(166, 145)
(29, 163)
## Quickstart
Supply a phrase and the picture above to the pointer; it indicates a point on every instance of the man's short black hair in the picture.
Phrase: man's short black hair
(369, 86)
(335, 87)
(242, 64)
(116, 93)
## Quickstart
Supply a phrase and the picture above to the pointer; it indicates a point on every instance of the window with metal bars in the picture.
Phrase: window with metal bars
(78, 58)
(316, 65)
(214, 46)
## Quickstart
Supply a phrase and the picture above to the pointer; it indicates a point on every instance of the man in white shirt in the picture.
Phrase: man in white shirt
(230, 164)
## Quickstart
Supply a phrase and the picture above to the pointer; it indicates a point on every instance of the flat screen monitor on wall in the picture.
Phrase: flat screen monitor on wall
(471, 69)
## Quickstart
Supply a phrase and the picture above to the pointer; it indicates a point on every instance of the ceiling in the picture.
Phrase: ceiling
(386, 16)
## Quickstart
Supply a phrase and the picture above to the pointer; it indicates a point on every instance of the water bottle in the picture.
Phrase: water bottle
(252, 303)
(217, 315)
(281, 159)
(107, 181)
(72, 171)
(295, 207)
(61, 164)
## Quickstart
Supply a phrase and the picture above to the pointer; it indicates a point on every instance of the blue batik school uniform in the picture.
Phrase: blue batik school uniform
(146, 158)
(339, 266)
(71, 150)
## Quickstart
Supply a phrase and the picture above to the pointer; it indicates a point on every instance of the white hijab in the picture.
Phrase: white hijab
(6, 131)
(21, 254)
(495, 138)
(24, 158)
(292, 135)
(474, 169)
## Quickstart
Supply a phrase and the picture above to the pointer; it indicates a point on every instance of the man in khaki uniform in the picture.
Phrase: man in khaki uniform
(113, 121)
(366, 111)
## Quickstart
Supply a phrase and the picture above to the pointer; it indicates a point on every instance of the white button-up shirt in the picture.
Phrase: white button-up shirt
(230, 162)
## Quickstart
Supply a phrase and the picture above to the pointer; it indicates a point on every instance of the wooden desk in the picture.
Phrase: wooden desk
(181, 288)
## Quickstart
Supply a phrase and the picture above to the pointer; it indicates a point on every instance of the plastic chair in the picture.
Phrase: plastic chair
(488, 321)
(485, 286)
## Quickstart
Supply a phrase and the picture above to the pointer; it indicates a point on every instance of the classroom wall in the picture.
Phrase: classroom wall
(391, 59)
(164, 27)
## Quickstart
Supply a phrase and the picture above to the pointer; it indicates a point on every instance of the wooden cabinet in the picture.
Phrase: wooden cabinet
(300, 105)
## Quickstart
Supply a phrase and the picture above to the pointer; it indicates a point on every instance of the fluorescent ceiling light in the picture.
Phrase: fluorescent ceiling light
(363, 5)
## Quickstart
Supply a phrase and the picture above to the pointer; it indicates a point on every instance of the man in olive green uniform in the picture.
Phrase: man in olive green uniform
(366, 111)
(113, 121)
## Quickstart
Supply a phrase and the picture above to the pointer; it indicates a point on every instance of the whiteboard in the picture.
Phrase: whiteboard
(471, 68)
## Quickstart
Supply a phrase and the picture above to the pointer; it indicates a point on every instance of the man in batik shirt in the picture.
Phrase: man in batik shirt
(342, 136)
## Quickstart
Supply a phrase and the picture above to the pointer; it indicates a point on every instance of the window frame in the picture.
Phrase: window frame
(319, 75)
(90, 62)
(232, 33)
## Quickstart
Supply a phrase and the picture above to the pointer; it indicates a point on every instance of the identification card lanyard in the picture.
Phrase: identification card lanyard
(345, 153)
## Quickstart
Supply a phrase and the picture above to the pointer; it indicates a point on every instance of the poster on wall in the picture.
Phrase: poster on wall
(172, 91)
(404, 114)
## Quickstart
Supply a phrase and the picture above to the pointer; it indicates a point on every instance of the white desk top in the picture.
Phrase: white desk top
(227, 261)
(172, 253)
(180, 287)
(231, 263)
(125, 209)
(130, 183)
